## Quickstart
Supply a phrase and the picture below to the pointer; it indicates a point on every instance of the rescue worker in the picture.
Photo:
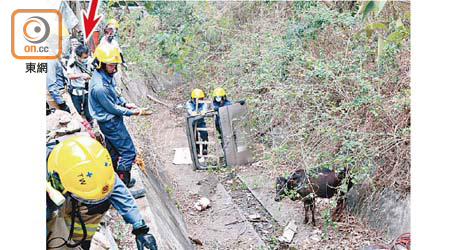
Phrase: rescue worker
(109, 32)
(220, 100)
(74, 43)
(80, 170)
(115, 24)
(78, 72)
(194, 108)
(56, 81)
(108, 107)
(110, 38)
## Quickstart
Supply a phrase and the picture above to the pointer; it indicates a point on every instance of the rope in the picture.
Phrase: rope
(88, 127)
(403, 240)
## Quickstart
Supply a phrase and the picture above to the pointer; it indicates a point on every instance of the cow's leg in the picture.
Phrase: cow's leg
(313, 211)
(306, 206)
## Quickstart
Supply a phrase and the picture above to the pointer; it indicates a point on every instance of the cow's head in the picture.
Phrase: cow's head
(281, 185)
(286, 187)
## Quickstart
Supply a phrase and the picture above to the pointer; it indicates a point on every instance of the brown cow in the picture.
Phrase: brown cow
(319, 182)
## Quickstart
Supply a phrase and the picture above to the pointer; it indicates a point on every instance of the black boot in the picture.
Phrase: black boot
(125, 176)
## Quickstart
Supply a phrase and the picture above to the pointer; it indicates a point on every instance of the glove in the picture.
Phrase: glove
(144, 239)
(130, 105)
(242, 102)
(63, 106)
(95, 63)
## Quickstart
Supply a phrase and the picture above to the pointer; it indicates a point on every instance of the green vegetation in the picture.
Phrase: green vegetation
(332, 76)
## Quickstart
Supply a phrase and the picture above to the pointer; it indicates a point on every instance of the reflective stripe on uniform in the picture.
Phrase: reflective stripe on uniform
(78, 91)
(90, 228)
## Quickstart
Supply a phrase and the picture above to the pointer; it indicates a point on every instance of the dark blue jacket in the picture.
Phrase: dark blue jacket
(104, 102)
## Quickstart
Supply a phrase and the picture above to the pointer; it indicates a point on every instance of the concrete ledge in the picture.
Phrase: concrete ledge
(384, 210)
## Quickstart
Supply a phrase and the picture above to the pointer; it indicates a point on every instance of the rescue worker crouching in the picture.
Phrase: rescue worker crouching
(108, 107)
(78, 73)
(81, 169)
(194, 108)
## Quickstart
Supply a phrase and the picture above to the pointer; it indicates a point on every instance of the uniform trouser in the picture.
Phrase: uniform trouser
(81, 105)
(203, 136)
(118, 143)
(219, 129)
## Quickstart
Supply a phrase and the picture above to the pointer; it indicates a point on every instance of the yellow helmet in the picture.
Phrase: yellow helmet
(83, 167)
(197, 93)
(219, 92)
(106, 53)
(113, 22)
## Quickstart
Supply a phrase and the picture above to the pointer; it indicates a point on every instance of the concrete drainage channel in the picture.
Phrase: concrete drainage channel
(264, 224)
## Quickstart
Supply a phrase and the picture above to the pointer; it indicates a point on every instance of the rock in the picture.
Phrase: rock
(315, 238)
(61, 123)
(99, 241)
(288, 232)
(202, 204)
(196, 241)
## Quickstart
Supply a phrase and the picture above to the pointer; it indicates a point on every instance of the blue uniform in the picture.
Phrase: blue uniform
(218, 105)
(106, 106)
(120, 198)
(56, 81)
(190, 108)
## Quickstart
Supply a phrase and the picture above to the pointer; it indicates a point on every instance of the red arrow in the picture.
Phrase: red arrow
(89, 23)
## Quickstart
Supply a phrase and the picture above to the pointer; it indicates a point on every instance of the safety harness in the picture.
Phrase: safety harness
(75, 212)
